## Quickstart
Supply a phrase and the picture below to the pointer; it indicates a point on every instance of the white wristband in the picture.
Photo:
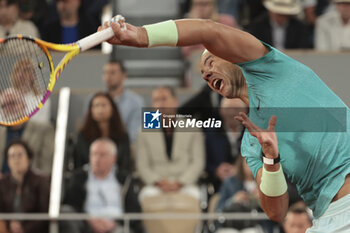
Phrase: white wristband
(162, 34)
(273, 184)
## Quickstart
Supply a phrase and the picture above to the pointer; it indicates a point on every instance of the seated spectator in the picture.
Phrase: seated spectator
(103, 120)
(333, 28)
(23, 190)
(23, 79)
(129, 103)
(10, 22)
(100, 188)
(297, 220)
(169, 161)
(34, 10)
(70, 26)
(280, 28)
(223, 145)
(239, 193)
(39, 136)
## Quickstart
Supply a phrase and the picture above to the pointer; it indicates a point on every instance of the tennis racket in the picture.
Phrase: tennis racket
(28, 75)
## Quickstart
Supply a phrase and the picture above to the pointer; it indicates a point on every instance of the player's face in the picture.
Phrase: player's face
(101, 109)
(18, 160)
(296, 223)
(222, 76)
(113, 76)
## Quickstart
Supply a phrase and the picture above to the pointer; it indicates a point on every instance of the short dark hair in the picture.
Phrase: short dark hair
(170, 89)
(21, 143)
(119, 62)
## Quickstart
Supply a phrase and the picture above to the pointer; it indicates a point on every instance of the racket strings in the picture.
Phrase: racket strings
(24, 78)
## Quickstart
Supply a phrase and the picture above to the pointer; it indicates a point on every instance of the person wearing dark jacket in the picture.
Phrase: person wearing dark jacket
(72, 23)
(23, 190)
(280, 28)
(103, 120)
(100, 188)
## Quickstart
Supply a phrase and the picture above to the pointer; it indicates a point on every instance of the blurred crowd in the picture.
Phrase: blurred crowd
(113, 166)
(319, 24)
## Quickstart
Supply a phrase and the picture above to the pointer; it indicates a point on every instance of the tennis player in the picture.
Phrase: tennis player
(237, 65)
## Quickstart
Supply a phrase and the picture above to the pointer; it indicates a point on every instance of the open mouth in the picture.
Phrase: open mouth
(217, 84)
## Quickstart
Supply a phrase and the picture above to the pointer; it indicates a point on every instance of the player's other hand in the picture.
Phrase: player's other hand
(126, 34)
(266, 137)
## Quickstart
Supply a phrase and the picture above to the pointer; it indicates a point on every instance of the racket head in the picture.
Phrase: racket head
(26, 74)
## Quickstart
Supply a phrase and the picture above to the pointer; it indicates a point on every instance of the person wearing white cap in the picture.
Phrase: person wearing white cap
(280, 26)
(237, 65)
(333, 28)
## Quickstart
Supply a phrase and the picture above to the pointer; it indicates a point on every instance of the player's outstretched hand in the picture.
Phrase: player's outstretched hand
(266, 137)
(126, 34)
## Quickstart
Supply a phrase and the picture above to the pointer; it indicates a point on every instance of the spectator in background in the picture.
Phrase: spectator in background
(239, 193)
(10, 22)
(223, 145)
(309, 7)
(23, 190)
(71, 24)
(229, 7)
(297, 220)
(23, 79)
(205, 9)
(333, 28)
(34, 10)
(169, 161)
(101, 188)
(103, 120)
(129, 103)
(39, 136)
(279, 27)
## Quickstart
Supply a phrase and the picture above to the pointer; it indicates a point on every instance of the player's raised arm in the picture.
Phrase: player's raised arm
(270, 178)
(223, 41)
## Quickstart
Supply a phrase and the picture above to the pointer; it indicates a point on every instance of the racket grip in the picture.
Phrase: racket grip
(95, 39)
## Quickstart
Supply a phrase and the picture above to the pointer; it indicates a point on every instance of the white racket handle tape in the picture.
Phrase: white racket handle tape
(99, 37)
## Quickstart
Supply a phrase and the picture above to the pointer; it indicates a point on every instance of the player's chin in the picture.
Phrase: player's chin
(226, 92)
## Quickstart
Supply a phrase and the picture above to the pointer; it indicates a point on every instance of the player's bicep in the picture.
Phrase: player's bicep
(235, 45)
(229, 43)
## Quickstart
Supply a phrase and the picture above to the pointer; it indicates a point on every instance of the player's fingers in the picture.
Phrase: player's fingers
(238, 118)
(106, 24)
(248, 123)
(272, 123)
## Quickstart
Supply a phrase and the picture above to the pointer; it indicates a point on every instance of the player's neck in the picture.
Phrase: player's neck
(244, 95)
